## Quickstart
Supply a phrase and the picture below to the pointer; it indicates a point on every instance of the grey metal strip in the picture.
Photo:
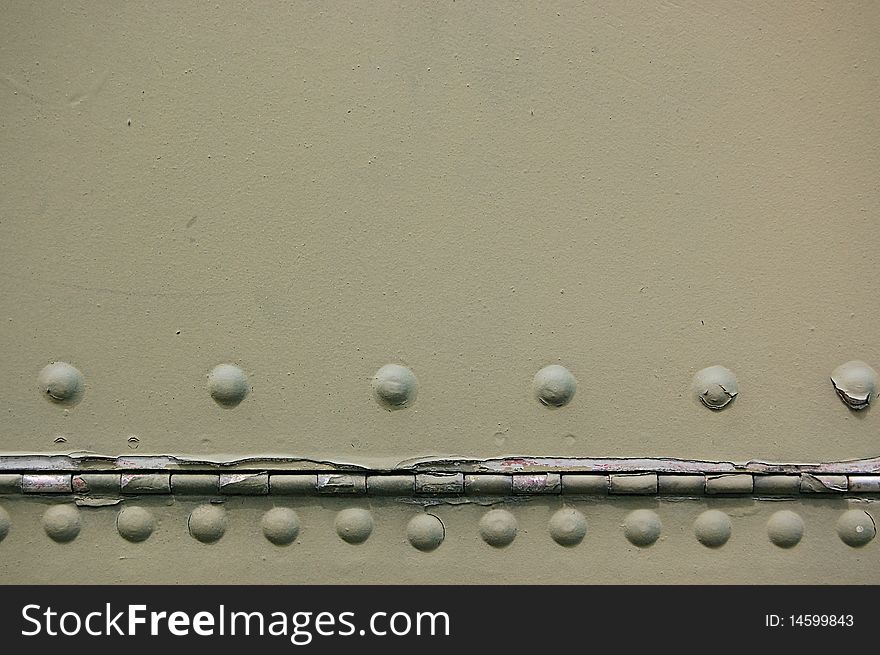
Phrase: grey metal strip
(439, 483)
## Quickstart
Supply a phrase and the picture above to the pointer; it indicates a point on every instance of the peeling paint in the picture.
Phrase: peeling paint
(715, 387)
(855, 383)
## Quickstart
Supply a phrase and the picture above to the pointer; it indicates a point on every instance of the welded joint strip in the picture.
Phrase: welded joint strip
(293, 484)
(350, 484)
(823, 484)
(97, 484)
(776, 485)
(481, 484)
(730, 484)
(531, 484)
(198, 484)
(439, 484)
(864, 484)
(641, 484)
(46, 483)
(587, 484)
(681, 485)
(10, 483)
(244, 484)
(391, 485)
(145, 483)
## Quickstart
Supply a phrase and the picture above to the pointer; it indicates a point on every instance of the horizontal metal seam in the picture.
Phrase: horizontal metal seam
(435, 484)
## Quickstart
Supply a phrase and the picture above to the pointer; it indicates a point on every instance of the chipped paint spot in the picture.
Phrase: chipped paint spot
(855, 383)
(715, 386)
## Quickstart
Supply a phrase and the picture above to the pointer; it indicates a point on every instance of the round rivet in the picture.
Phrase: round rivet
(712, 528)
(785, 528)
(425, 532)
(228, 385)
(856, 527)
(61, 383)
(395, 386)
(61, 522)
(554, 386)
(354, 525)
(5, 522)
(855, 383)
(135, 524)
(715, 387)
(280, 525)
(207, 523)
(568, 527)
(642, 527)
(498, 528)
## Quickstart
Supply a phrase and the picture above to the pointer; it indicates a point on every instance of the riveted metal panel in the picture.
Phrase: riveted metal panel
(397, 258)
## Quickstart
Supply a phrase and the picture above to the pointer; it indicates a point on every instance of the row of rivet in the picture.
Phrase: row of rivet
(395, 386)
(436, 484)
(498, 527)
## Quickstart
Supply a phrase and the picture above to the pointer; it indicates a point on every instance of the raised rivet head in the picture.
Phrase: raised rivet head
(568, 527)
(642, 527)
(135, 524)
(554, 386)
(855, 383)
(498, 528)
(354, 525)
(61, 522)
(715, 386)
(280, 525)
(207, 523)
(785, 528)
(5, 522)
(228, 385)
(395, 386)
(425, 532)
(712, 528)
(61, 383)
(856, 528)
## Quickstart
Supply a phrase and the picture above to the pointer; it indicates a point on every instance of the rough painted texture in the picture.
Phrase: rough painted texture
(474, 189)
